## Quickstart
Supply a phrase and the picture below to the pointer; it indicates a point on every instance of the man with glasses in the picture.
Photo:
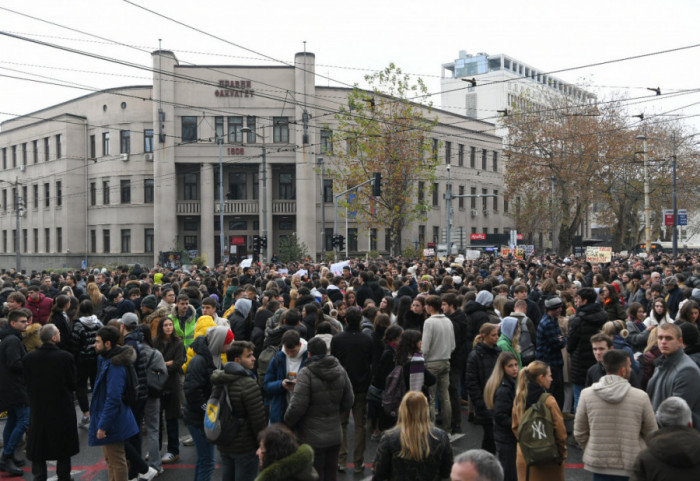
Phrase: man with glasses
(13, 395)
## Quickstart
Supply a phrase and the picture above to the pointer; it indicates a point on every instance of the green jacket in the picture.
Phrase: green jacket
(507, 346)
(184, 328)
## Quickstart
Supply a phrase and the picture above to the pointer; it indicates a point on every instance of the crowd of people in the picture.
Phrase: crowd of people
(610, 352)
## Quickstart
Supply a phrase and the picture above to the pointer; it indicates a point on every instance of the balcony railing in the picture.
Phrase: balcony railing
(284, 206)
(238, 207)
(188, 207)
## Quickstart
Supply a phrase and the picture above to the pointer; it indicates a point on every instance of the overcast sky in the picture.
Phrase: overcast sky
(353, 38)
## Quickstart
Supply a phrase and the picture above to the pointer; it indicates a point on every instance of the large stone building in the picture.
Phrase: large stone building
(121, 175)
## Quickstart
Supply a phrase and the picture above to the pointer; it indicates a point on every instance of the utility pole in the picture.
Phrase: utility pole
(448, 198)
(222, 245)
(674, 237)
(647, 197)
(319, 160)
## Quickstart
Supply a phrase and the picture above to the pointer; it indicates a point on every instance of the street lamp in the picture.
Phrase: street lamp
(222, 245)
(263, 249)
(647, 201)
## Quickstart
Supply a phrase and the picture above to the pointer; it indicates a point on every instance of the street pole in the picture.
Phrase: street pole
(222, 245)
(552, 213)
(263, 250)
(323, 208)
(675, 207)
(18, 254)
(448, 198)
(647, 200)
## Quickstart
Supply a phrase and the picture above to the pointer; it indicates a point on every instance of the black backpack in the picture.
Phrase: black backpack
(394, 390)
(528, 352)
(221, 426)
(131, 390)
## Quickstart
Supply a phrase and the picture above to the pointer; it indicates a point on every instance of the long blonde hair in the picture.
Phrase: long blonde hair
(94, 293)
(528, 374)
(414, 426)
(653, 339)
(496, 377)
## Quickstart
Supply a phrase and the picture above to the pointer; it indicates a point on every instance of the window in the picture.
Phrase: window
(352, 239)
(189, 129)
(4, 200)
(387, 240)
(328, 237)
(149, 240)
(148, 191)
(14, 198)
(59, 193)
(483, 159)
(256, 185)
(93, 152)
(14, 156)
(219, 128)
(25, 239)
(461, 199)
(59, 239)
(495, 161)
(421, 192)
(35, 235)
(93, 241)
(105, 192)
(4, 241)
(286, 224)
(327, 190)
(495, 230)
(472, 157)
(190, 242)
(47, 195)
(505, 204)
(4, 158)
(105, 241)
(59, 148)
(473, 230)
(93, 193)
(46, 149)
(373, 239)
(287, 191)
(326, 141)
(448, 152)
(237, 185)
(124, 141)
(460, 155)
(47, 240)
(250, 123)
(190, 226)
(435, 150)
(473, 198)
(105, 144)
(351, 146)
(436, 194)
(125, 191)
(421, 235)
(36, 196)
(15, 240)
(436, 233)
(126, 240)
(495, 201)
(280, 131)
(24, 153)
(191, 191)
(148, 141)
(238, 225)
(35, 151)
(484, 200)
(235, 124)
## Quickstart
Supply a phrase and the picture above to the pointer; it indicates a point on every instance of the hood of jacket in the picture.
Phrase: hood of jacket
(298, 465)
(243, 307)
(8, 331)
(508, 325)
(204, 323)
(677, 446)
(230, 372)
(473, 306)
(122, 355)
(327, 368)
(201, 346)
(612, 388)
(216, 337)
(485, 298)
(90, 321)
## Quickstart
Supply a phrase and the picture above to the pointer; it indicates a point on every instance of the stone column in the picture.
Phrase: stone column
(206, 227)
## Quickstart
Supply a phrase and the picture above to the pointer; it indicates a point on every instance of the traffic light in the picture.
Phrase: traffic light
(334, 240)
(341, 242)
(263, 242)
(377, 184)
(256, 243)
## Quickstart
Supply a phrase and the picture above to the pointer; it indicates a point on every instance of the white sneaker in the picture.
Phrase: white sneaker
(148, 475)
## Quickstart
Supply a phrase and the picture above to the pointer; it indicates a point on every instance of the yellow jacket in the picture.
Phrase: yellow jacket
(200, 329)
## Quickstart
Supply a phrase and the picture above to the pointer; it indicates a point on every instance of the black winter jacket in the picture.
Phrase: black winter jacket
(480, 365)
(503, 412)
(13, 390)
(354, 351)
(589, 320)
(477, 316)
(458, 360)
(390, 466)
(197, 382)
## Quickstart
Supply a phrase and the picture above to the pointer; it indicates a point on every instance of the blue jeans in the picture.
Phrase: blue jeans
(15, 427)
(239, 467)
(577, 394)
(204, 468)
(609, 477)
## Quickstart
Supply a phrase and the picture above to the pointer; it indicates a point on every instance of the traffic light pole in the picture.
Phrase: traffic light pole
(335, 206)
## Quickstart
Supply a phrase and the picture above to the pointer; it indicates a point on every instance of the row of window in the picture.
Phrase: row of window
(460, 200)
(125, 240)
(124, 192)
(472, 156)
(238, 186)
(230, 129)
(124, 143)
(12, 235)
(23, 200)
(460, 231)
(21, 152)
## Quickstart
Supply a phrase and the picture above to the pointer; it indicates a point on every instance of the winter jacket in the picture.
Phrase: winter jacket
(51, 379)
(275, 394)
(648, 363)
(135, 339)
(589, 320)
(84, 333)
(638, 335)
(184, 328)
(438, 338)
(477, 316)
(615, 311)
(411, 320)
(298, 466)
(480, 365)
(458, 360)
(204, 323)
(620, 343)
(597, 371)
(673, 301)
(383, 367)
(246, 402)
(550, 341)
(672, 454)
(197, 385)
(13, 390)
(154, 318)
(41, 309)
(388, 465)
(107, 409)
(354, 351)
(172, 351)
(503, 412)
(676, 375)
(322, 393)
(59, 319)
(612, 421)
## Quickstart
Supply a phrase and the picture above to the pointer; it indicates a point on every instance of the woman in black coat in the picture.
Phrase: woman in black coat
(480, 365)
(172, 349)
(60, 320)
(380, 370)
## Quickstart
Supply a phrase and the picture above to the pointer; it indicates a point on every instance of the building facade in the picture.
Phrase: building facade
(132, 172)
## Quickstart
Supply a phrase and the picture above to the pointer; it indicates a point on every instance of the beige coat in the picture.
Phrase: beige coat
(544, 472)
(612, 421)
